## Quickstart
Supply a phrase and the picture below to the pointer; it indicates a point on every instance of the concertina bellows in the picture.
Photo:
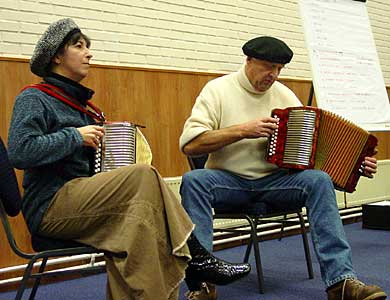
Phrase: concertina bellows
(122, 144)
(313, 138)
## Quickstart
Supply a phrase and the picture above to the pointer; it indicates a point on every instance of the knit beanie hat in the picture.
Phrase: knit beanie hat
(49, 43)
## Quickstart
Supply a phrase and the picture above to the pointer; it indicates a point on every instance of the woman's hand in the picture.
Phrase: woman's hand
(92, 135)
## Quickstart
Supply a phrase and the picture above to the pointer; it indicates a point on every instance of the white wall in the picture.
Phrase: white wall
(198, 35)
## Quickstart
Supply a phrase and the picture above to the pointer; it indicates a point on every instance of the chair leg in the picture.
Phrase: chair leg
(282, 228)
(306, 246)
(38, 279)
(23, 283)
(250, 243)
(255, 242)
(248, 250)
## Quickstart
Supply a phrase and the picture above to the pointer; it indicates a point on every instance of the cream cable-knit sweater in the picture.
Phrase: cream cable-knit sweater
(231, 100)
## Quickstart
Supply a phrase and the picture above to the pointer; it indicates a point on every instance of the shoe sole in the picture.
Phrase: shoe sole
(205, 276)
(376, 296)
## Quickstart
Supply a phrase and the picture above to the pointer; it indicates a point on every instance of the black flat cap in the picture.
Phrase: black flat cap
(268, 48)
(49, 43)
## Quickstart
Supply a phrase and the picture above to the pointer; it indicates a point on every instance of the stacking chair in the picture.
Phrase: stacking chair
(10, 205)
(256, 215)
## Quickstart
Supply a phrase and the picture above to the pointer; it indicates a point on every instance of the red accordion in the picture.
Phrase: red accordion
(312, 138)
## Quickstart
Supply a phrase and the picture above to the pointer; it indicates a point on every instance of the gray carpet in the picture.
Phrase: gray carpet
(284, 270)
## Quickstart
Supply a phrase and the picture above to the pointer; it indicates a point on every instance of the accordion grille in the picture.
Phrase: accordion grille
(299, 138)
(118, 147)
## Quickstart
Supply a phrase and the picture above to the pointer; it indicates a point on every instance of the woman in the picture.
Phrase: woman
(52, 138)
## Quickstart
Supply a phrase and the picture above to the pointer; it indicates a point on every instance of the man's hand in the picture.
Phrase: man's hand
(259, 128)
(92, 135)
(213, 140)
(370, 166)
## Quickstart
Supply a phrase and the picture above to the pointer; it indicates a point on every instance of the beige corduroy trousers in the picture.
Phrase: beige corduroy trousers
(128, 209)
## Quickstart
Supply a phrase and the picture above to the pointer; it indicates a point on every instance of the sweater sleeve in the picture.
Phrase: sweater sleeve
(204, 116)
(31, 142)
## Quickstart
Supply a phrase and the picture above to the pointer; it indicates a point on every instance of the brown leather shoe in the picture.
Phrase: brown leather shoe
(207, 291)
(353, 289)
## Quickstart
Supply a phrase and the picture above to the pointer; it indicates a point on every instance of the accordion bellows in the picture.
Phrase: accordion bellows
(312, 138)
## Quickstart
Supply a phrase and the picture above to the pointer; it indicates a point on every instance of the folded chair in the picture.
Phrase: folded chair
(256, 215)
(10, 205)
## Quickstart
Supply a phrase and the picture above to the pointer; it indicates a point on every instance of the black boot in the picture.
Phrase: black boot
(204, 267)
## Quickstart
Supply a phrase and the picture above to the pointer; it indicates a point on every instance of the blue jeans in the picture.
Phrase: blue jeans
(204, 189)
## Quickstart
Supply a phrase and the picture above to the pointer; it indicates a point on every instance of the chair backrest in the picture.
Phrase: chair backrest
(10, 199)
(197, 162)
(9, 189)
(11, 204)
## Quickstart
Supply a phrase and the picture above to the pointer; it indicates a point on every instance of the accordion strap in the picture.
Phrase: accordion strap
(59, 94)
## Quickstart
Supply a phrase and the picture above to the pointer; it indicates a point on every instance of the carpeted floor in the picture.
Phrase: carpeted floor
(284, 270)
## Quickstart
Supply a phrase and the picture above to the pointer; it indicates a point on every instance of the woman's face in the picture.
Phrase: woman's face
(73, 63)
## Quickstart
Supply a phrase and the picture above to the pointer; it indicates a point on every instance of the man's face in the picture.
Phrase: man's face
(261, 73)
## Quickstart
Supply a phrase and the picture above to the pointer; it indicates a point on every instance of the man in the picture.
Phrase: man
(52, 138)
(231, 122)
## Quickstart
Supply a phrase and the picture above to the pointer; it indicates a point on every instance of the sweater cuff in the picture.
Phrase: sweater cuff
(78, 137)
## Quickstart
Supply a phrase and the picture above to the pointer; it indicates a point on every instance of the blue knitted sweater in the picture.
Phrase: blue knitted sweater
(44, 142)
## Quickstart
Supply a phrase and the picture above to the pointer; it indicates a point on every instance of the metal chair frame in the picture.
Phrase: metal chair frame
(254, 220)
(44, 256)
(10, 198)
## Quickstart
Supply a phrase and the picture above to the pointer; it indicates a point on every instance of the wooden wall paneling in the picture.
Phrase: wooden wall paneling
(15, 74)
(189, 88)
(301, 88)
(384, 140)
(160, 100)
(22, 237)
(163, 99)
(383, 144)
